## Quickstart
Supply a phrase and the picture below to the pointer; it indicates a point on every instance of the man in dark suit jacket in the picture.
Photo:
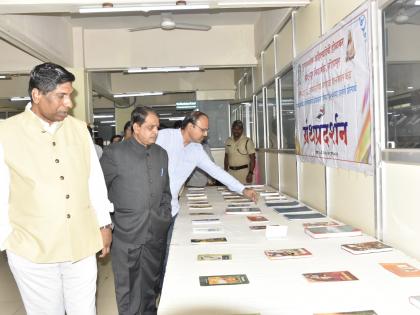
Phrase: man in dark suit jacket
(136, 174)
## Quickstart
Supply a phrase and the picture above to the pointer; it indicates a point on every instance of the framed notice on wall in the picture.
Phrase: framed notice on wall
(333, 96)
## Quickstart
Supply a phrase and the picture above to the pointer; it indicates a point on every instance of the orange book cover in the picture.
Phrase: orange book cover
(402, 269)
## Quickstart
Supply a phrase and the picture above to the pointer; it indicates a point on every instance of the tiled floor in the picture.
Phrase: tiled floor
(11, 304)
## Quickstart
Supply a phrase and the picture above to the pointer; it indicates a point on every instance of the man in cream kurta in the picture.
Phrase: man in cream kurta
(54, 211)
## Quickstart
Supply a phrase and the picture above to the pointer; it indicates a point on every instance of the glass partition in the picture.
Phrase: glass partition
(402, 73)
(260, 120)
(272, 120)
(287, 110)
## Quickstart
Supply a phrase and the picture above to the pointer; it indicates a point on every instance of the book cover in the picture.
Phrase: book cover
(415, 300)
(257, 227)
(269, 193)
(197, 197)
(303, 216)
(202, 213)
(367, 312)
(202, 257)
(282, 204)
(239, 205)
(200, 206)
(366, 247)
(330, 276)
(320, 223)
(229, 197)
(243, 210)
(287, 253)
(332, 231)
(223, 280)
(402, 269)
(195, 194)
(207, 230)
(257, 218)
(195, 188)
(293, 209)
(238, 200)
(206, 221)
(208, 240)
(274, 198)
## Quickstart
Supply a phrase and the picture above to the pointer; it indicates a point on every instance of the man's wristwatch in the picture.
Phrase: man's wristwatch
(108, 226)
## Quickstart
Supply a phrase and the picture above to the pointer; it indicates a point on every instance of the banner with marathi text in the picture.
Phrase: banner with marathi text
(333, 102)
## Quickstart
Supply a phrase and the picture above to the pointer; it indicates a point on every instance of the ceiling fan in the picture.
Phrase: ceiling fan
(167, 23)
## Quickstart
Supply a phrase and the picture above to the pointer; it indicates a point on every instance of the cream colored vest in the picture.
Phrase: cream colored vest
(49, 205)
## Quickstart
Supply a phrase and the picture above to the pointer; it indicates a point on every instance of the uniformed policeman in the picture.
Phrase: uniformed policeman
(240, 154)
(136, 174)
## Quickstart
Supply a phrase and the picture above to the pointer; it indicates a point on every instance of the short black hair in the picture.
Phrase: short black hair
(192, 118)
(139, 114)
(114, 137)
(127, 125)
(238, 123)
(46, 76)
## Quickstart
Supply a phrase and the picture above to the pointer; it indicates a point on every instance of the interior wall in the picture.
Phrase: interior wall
(288, 174)
(312, 186)
(351, 198)
(14, 60)
(272, 170)
(284, 43)
(401, 207)
(218, 79)
(231, 45)
(307, 25)
(46, 35)
(335, 11)
(269, 63)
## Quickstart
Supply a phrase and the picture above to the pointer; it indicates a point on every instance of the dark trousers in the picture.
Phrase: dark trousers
(168, 243)
(137, 271)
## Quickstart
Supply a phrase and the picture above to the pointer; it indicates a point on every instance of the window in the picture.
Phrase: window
(402, 73)
(287, 110)
(260, 120)
(218, 113)
(272, 116)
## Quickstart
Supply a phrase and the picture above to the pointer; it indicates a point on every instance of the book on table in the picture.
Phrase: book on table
(195, 188)
(201, 213)
(287, 253)
(250, 210)
(197, 198)
(200, 206)
(282, 204)
(366, 312)
(269, 193)
(292, 209)
(223, 280)
(208, 240)
(257, 227)
(257, 218)
(232, 205)
(330, 276)
(207, 230)
(415, 300)
(206, 221)
(198, 202)
(366, 247)
(332, 231)
(212, 257)
(238, 200)
(229, 197)
(195, 194)
(303, 216)
(274, 198)
(402, 269)
(320, 223)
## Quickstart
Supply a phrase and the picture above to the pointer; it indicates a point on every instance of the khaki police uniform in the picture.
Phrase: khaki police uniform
(238, 156)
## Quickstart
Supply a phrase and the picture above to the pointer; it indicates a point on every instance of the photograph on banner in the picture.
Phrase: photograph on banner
(333, 101)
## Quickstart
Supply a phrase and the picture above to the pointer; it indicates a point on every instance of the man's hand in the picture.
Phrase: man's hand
(250, 194)
(107, 240)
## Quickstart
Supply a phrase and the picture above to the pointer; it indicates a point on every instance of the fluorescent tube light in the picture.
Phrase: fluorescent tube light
(108, 122)
(5, 77)
(417, 2)
(103, 116)
(163, 69)
(144, 8)
(20, 98)
(137, 94)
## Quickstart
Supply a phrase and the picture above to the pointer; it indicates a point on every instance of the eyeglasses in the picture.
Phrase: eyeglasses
(204, 130)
